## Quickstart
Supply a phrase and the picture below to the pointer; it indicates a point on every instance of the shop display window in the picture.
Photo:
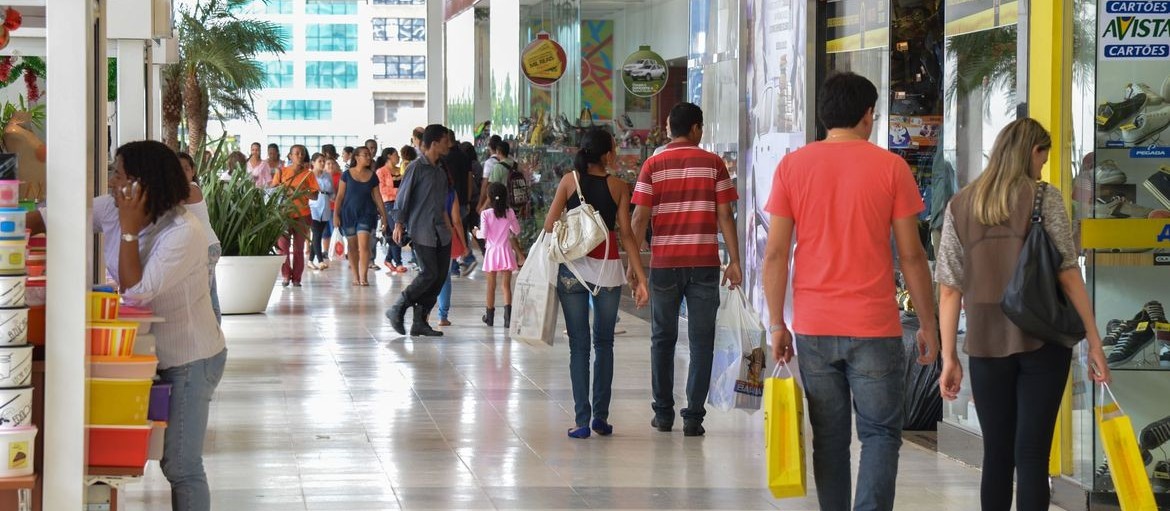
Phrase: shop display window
(1120, 192)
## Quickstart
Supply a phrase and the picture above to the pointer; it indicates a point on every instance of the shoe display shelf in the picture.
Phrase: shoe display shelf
(1127, 271)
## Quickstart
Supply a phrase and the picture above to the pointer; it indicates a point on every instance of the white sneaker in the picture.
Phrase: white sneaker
(1108, 174)
(1146, 125)
(1120, 207)
(1152, 98)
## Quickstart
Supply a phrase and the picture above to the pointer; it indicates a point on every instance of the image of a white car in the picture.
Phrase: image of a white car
(646, 69)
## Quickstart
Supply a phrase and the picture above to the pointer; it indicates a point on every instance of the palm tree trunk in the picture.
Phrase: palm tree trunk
(194, 106)
(172, 111)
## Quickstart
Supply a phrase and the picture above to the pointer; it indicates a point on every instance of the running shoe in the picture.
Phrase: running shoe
(1120, 207)
(1152, 98)
(1155, 434)
(1130, 344)
(1154, 311)
(1109, 174)
(1111, 115)
(1159, 185)
(469, 267)
(1160, 481)
(1146, 125)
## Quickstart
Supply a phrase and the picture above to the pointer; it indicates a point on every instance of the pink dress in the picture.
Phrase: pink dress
(496, 232)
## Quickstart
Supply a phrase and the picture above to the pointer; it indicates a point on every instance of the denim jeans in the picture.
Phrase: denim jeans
(213, 254)
(868, 373)
(445, 298)
(393, 251)
(318, 252)
(192, 386)
(575, 303)
(668, 287)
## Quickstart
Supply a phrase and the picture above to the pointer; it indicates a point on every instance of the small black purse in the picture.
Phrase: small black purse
(1033, 299)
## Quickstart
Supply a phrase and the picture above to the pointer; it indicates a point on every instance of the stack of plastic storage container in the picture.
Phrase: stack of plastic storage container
(17, 432)
(119, 388)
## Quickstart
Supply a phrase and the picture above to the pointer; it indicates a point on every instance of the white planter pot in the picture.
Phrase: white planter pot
(246, 282)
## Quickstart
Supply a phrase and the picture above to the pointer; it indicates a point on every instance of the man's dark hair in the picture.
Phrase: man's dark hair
(347, 149)
(368, 140)
(274, 146)
(683, 117)
(494, 142)
(504, 149)
(329, 150)
(156, 168)
(433, 133)
(843, 100)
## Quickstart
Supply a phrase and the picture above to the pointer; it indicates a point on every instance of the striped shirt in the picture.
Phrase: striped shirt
(683, 185)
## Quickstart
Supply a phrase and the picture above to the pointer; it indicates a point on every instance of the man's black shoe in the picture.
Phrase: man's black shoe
(693, 428)
(397, 316)
(424, 330)
(661, 425)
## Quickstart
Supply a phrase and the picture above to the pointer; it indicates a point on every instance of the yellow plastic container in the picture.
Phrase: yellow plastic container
(115, 402)
(103, 306)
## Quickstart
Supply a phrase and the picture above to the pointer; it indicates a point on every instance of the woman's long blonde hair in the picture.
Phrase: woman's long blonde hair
(1010, 166)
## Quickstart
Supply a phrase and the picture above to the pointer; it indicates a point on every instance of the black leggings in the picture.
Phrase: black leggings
(1017, 399)
(316, 252)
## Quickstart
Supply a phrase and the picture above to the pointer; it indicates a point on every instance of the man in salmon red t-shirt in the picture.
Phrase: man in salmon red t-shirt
(687, 194)
(842, 197)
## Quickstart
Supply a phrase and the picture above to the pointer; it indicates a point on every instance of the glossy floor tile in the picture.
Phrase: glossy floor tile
(323, 407)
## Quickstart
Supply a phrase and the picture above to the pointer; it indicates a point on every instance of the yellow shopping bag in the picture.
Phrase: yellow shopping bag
(784, 434)
(1121, 451)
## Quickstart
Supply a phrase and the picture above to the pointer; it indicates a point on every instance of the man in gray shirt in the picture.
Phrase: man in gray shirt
(421, 211)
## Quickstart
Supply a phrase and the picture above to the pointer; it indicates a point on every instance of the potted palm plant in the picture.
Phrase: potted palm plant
(248, 222)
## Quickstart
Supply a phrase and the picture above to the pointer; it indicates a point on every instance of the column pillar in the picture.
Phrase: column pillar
(436, 64)
(132, 96)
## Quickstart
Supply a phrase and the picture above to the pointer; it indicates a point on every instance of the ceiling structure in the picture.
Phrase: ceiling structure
(590, 9)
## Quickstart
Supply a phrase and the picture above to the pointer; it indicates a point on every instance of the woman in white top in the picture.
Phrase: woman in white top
(156, 251)
(601, 270)
(198, 207)
(258, 167)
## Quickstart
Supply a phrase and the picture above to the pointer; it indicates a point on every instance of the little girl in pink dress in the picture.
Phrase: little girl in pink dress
(497, 226)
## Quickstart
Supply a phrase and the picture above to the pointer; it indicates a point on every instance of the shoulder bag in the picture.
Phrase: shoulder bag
(1034, 300)
(576, 233)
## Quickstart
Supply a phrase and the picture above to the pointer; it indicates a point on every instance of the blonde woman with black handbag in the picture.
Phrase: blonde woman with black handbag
(1017, 379)
(596, 278)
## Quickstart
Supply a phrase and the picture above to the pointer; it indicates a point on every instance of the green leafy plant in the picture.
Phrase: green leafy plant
(36, 113)
(247, 219)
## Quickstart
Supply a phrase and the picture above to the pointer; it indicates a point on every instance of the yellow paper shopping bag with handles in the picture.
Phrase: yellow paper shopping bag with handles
(1121, 451)
(784, 434)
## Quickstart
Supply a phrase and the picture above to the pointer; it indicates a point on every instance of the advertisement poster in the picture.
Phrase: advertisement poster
(644, 73)
(912, 132)
(543, 61)
(1132, 111)
(775, 69)
(857, 25)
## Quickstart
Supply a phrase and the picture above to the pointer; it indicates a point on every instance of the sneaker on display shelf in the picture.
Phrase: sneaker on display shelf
(1152, 98)
(1154, 311)
(1160, 481)
(1130, 344)
(1155, 434)
(1110, 115)
(1114, 329)
(1159, 185)
(1164, 354)
(1108, 174)
(1102, 479)
(1146, 125)
(1120, 207)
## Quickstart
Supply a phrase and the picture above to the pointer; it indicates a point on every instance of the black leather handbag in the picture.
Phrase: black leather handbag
(1033, 299)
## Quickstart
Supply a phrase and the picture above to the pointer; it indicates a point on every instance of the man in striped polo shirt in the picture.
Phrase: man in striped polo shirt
(687, 194)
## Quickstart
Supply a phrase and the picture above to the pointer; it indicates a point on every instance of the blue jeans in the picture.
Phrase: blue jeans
(668, 287)
(445, 297)
(575, 302)
(870, 375)
(192, 386)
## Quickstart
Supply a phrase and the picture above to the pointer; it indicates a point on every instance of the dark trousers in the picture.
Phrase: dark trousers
(1017, 399)
(317, 252)
(668, 287)
(423, 291)
(393, 251)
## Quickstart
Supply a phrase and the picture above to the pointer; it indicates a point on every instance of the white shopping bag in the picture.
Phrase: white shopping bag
(738, 324)
(534, 300)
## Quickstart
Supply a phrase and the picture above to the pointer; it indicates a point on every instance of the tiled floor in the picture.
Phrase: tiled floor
(324, 407)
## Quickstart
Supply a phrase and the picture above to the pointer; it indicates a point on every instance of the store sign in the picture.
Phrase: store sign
(644, 73)
(914, 131)
(543, 61)
(1134, 29)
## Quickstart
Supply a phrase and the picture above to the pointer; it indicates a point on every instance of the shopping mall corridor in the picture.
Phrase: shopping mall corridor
(324, 407)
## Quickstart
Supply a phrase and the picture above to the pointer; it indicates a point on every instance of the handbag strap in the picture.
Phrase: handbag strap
(580, 193)
(1038, 203)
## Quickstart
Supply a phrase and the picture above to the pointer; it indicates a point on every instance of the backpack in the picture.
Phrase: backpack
(519, 192)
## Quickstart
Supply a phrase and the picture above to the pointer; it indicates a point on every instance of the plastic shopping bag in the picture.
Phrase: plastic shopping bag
(784, 435)
(1125, 460)
(738, 324)
(725, 365)
(534, 302)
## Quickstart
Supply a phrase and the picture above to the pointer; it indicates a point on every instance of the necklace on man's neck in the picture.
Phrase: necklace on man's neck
(844, 136)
